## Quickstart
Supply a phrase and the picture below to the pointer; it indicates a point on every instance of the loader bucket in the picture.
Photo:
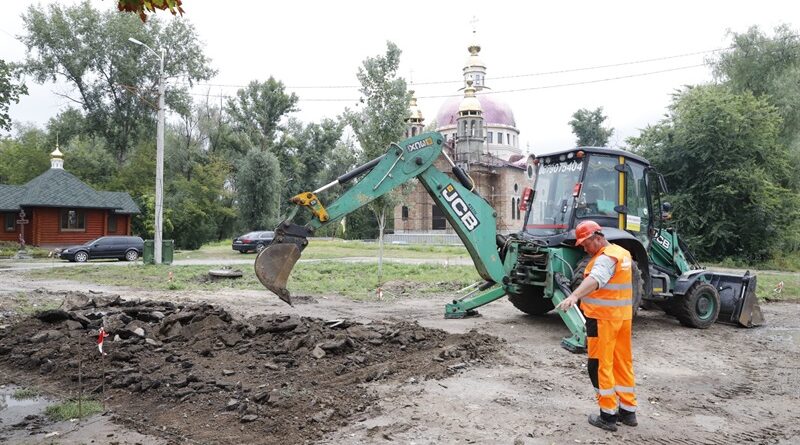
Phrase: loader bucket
(738, 301)
(273, 266)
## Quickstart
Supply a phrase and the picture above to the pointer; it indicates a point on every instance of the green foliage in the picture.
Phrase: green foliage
(726, 170)
(71, 409)
(257, 110)
(113, 79)
(88, 159)
(25, 393)
(382, 120)
(327, 277)
(258, 185)
(305, 154)
(24, 157)
(10, 91)
(65, 126)
(197, 209)
(769, 67)
(588, 127)
(10, 248)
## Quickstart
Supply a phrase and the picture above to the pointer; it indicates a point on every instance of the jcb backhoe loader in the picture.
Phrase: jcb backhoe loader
(538, 266)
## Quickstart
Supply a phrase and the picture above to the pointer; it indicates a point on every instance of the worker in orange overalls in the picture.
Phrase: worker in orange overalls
(606, 296)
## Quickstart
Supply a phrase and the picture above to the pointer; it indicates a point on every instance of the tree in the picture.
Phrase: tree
(89, 160)
(10, 90)
(768, 67)
(24, 157)
(114, 80)
(726, 169)
(258, 187)
(198, 209)
(258, 109)
(588, 127)
(381, 121)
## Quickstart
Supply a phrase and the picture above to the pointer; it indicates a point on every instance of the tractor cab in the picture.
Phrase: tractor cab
(606, 185)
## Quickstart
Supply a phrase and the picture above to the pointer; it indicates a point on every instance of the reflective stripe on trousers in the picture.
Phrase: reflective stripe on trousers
(611, 364)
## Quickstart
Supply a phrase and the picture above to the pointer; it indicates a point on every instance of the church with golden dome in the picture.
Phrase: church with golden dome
(482, 137)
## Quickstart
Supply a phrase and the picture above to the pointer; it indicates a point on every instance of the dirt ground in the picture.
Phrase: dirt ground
(243, 367)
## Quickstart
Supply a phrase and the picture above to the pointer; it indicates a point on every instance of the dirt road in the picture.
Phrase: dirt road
(498, 378)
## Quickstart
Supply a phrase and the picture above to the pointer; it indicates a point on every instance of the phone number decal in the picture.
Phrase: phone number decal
(560, 168)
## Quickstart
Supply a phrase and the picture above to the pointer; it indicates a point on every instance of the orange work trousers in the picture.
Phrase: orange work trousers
(611, 364)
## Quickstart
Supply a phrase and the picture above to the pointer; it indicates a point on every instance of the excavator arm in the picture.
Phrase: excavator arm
(470, 215)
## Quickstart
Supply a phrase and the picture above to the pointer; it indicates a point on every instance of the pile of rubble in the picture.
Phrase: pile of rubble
(192, 372)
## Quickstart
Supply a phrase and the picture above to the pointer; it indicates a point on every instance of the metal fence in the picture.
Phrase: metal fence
(423, 238)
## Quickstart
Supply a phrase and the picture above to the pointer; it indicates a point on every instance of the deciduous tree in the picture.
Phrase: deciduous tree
(114, 81)
(588, 127)
(10, 91)
(382, 119)
(726, 168)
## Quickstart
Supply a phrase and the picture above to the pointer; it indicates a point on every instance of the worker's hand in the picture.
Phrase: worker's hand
(567, 303)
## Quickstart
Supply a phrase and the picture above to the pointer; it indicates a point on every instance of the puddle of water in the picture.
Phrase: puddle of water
(13, 411)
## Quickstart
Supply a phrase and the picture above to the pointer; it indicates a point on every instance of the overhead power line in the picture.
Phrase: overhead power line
(515, 90)
(511, 76)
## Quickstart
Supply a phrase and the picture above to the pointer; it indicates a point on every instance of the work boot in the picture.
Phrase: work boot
(627, 417)
(607, 423)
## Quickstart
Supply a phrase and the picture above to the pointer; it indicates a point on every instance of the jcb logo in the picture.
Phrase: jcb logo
(414, 146)
(458, 205)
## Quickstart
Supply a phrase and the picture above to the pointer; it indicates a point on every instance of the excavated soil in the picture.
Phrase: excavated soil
(193, 373)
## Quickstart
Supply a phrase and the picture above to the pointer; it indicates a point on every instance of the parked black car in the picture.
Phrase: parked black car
(253, 241)
(120, 247)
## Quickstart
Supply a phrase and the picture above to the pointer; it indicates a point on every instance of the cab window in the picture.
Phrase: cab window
(599, 191)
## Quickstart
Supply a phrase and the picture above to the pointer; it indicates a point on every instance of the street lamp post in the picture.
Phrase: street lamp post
(159, 227)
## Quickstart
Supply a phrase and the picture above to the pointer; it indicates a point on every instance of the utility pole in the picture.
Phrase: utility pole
(159, 223)
(159, 210)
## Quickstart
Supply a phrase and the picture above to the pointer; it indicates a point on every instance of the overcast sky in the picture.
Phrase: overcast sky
(322, 44)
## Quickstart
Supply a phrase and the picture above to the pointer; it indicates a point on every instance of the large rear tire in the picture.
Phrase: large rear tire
(699, 307)
(532, 301)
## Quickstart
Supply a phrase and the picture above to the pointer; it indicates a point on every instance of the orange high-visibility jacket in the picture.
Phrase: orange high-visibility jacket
(614, 300)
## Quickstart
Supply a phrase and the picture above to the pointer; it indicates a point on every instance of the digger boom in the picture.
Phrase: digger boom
(472, 218)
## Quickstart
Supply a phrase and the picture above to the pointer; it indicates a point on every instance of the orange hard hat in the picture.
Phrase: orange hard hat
(585, 230)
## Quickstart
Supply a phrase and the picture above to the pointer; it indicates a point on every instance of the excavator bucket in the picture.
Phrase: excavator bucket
(274, 265)
(738, 301)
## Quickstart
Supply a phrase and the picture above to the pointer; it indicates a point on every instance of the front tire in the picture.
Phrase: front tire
(699, 307)
(131, 255)
(81, 257)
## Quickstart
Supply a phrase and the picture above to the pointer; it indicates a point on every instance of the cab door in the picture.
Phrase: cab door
(636, 200)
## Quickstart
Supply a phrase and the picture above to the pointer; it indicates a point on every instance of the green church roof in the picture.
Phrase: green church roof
(59, 188)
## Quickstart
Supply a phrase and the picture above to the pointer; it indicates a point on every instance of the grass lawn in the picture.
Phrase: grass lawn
(324, 249)
(355, 280)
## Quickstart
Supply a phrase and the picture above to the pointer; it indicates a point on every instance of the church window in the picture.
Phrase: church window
(10, 223)
(499, 137)
(472, 128)
(513, 205)
(404, 213)
(73, 220)
(490, 137)
(413, 131)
